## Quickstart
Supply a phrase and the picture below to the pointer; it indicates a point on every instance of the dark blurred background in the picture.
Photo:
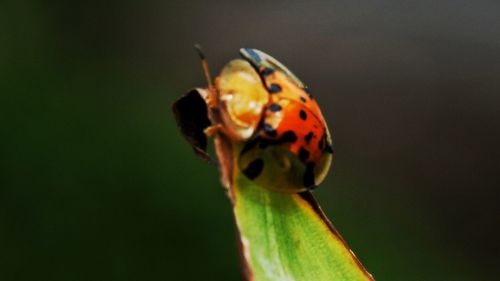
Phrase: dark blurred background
(97, 184)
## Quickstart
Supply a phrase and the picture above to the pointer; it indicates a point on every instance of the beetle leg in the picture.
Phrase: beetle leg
(213, 129)
(211, 98)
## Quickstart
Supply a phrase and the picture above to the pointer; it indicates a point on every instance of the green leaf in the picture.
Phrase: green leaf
(287, 237)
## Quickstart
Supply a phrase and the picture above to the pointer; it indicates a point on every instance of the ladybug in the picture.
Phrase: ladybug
(284, 142)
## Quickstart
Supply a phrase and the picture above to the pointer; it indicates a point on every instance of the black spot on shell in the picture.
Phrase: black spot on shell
(254, 169)
(275, 107)
(303, 115)
(325, 145)
(308, 179)
(266, 71)
(303, 154)
(309, 136)
(329, 148)
(302, 99)
(321, 144)
(289, 136)
(274, 88)
(308, 91)
(270, 131)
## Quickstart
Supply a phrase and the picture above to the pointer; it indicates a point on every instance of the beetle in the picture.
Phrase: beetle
(284, 142)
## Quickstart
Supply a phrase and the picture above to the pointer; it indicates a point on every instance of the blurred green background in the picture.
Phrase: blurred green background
(97, 184)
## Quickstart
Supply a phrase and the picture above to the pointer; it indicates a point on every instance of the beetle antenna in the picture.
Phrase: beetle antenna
(204, 65)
